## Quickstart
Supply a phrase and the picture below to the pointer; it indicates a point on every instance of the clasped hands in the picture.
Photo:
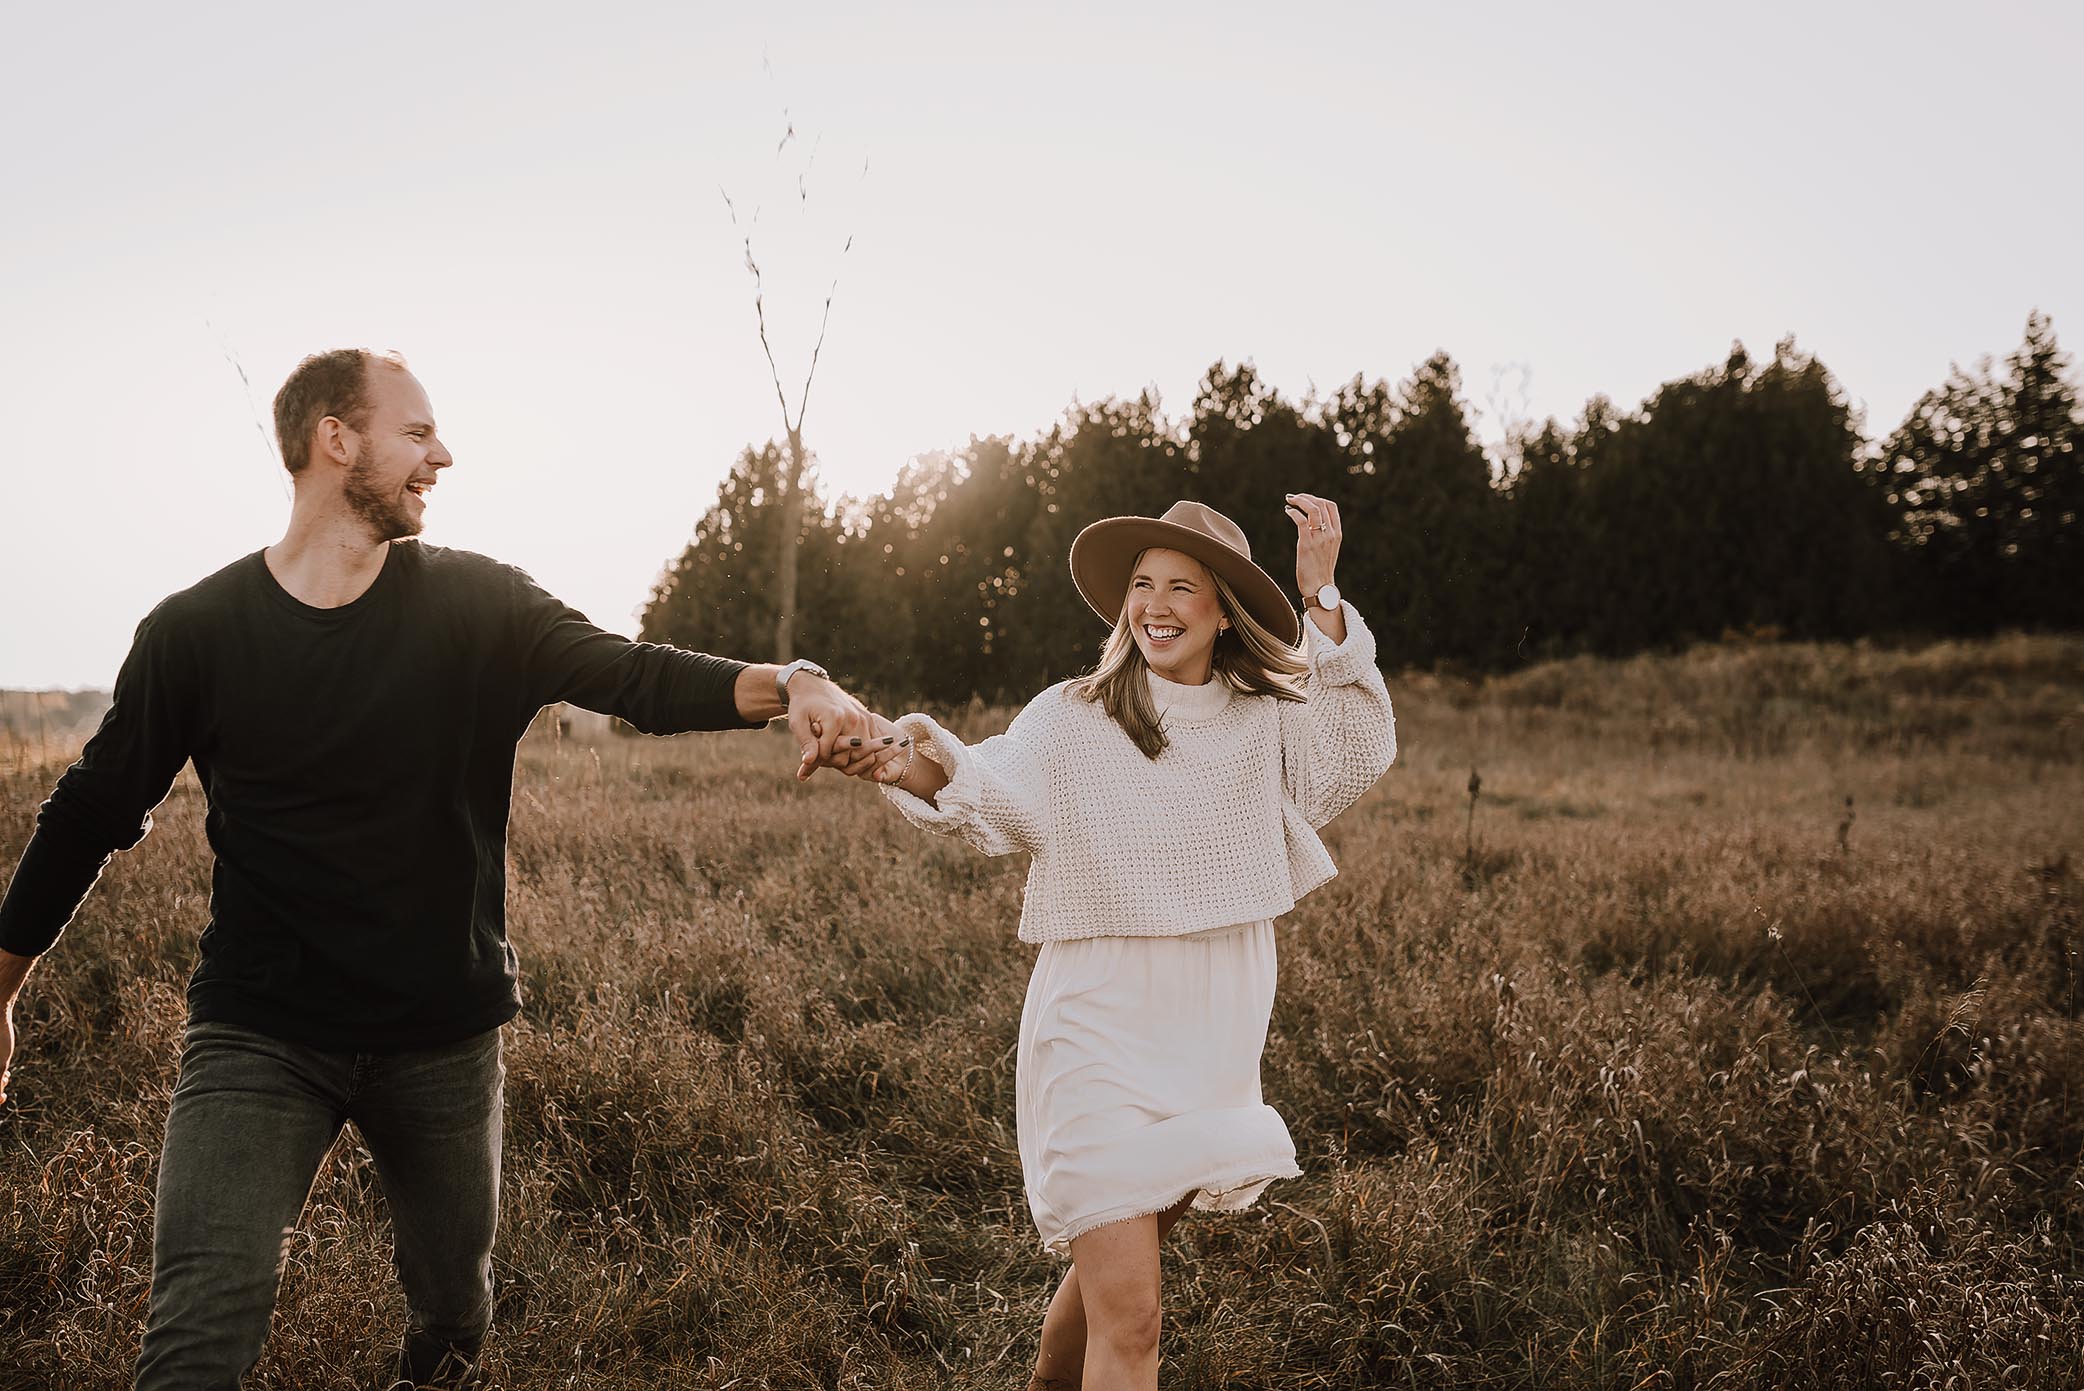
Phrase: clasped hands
(834, 730)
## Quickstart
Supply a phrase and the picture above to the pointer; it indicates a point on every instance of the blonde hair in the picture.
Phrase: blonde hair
(1248, 657)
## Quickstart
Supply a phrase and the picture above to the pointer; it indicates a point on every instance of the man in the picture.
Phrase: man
(351, 701)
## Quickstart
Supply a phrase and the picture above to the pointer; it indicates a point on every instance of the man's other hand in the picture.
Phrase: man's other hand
(14, 970)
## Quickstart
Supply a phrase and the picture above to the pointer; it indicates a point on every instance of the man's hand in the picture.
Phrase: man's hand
(831, 727)
(13, 971)
(6, 1046)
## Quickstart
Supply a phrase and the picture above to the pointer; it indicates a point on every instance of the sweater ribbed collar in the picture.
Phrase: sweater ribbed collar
(1189, 704)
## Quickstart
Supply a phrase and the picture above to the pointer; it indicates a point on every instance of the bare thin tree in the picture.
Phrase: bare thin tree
(791, 489)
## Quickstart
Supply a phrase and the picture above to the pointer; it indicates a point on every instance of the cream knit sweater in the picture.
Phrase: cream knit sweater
(1218, 829)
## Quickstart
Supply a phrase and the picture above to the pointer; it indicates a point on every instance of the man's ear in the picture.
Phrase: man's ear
(329, 441)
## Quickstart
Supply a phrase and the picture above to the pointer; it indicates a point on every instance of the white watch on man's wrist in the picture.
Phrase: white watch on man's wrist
(1326, 597)
(787, 673)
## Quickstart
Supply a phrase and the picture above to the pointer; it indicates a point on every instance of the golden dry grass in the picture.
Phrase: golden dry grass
(1670, 1075)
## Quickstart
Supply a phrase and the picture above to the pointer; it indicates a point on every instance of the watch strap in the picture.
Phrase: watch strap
(788, 672)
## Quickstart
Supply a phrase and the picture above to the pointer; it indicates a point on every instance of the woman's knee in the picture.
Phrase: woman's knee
(1128, 1324)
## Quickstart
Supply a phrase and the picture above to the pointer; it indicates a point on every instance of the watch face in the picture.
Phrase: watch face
(1328, 597)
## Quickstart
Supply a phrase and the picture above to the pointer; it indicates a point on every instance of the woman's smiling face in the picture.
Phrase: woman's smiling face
(1175, 614)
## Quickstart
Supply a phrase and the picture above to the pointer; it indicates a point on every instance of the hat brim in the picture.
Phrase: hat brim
(1103, 560)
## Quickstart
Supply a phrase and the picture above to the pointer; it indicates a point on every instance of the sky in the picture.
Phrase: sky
(1014, 209)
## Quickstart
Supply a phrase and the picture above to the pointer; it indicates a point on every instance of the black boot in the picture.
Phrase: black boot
(428, 1363)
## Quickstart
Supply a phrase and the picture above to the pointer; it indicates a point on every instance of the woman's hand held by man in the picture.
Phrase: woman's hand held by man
(891, 759)
(877, 750)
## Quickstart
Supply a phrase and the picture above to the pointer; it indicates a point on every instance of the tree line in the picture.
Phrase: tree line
(1744, 499)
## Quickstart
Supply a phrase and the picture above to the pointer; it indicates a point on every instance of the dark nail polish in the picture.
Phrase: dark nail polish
(853, 743)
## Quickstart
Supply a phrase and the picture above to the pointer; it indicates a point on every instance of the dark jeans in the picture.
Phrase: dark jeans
(252, 1119)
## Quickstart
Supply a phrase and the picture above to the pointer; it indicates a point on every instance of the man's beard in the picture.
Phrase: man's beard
(386, 515)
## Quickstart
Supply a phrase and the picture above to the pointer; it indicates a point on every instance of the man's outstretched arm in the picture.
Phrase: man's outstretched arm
(661, 689)
(101, 805)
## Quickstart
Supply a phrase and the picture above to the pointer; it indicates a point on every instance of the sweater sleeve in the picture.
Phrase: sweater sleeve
(1337, 743)
(657, 688)
(997, 797)
(104, 802)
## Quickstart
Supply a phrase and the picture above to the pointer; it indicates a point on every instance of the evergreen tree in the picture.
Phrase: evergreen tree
(1733, 502)
(1548, 528)
(1985, 484)
(716, 596)
(2042, 432)
(972, 555)
(1116, 458)
(1428, 557)
(1247, 449)
(1820, 565)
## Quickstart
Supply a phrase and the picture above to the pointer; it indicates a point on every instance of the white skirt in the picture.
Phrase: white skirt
(1138, 1078)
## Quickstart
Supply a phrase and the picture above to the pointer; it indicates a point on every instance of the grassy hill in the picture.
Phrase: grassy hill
(1725, 1034)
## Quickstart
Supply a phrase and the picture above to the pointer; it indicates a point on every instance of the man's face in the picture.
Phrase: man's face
(396, 457)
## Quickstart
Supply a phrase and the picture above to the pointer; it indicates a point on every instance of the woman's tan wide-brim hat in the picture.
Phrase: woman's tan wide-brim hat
(1103, 560)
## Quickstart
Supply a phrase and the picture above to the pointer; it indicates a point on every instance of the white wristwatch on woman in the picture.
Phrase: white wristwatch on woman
(1326, 597)
(783, 677)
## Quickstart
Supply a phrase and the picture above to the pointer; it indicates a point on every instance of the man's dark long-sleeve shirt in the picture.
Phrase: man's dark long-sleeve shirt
(358, 766)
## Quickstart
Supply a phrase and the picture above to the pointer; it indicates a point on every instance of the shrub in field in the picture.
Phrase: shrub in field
(1927, 1296)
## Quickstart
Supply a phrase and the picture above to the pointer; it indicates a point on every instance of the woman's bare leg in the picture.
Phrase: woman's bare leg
(1118, 1281)
(1060, 1364)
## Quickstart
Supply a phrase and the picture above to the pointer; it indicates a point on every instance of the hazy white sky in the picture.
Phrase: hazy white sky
(1070, 202)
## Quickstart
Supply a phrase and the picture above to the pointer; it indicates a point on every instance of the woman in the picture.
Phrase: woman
(1170, 800)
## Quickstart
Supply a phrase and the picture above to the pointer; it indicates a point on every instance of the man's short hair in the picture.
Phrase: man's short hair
(325, 384)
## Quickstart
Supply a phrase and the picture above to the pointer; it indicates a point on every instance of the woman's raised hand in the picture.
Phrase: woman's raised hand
(1317, 536)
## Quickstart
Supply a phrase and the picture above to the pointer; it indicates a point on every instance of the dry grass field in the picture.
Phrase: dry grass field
(1730, 1041)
